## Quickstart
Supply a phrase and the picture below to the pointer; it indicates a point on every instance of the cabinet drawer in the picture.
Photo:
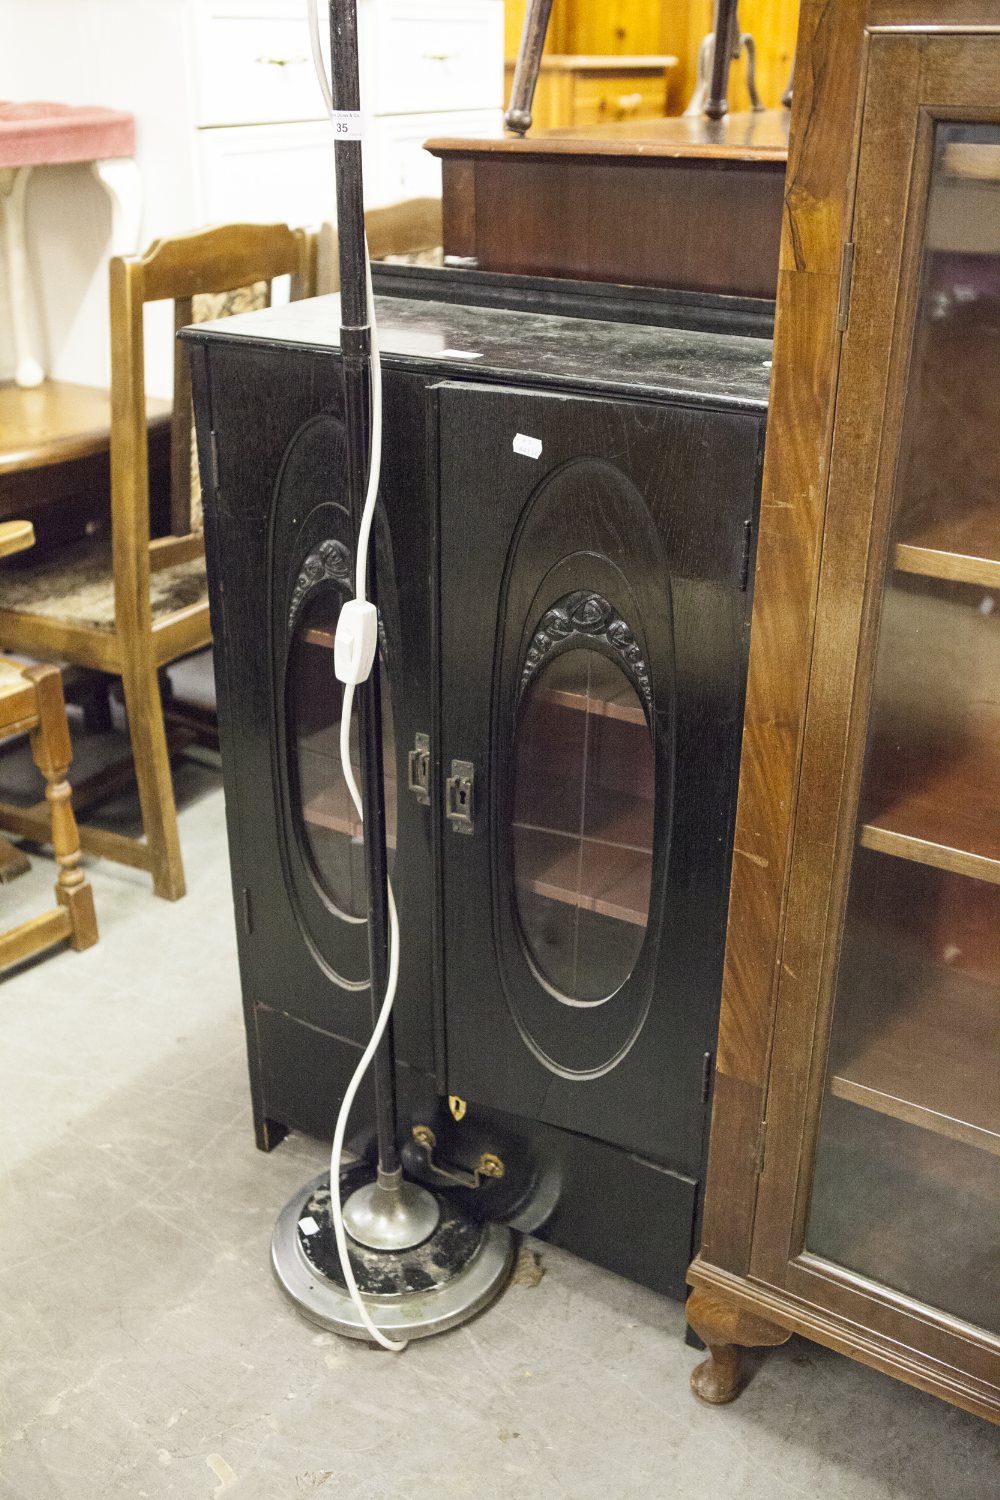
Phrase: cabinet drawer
(268, 174)
(433, 55)
(600, 98)
(255, 69)
(396, 164)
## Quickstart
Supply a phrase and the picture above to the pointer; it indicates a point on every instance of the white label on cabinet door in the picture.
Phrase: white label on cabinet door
(346, 124)
(529, 446)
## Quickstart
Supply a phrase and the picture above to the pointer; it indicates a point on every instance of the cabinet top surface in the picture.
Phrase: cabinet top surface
(717, 369)
(757, 137)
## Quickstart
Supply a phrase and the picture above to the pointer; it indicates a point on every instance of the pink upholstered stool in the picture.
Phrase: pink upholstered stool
(40, 134)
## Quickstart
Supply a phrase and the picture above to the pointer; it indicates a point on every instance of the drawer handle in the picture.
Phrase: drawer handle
(283, 62)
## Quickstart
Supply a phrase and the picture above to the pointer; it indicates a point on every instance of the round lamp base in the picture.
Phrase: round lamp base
(410, 1293)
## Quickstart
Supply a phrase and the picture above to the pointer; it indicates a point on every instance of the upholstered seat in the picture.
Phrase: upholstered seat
(76, 585)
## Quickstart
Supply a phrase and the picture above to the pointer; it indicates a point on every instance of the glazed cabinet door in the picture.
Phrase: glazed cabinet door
(593, 630)
(281, 558)
(880, 1193)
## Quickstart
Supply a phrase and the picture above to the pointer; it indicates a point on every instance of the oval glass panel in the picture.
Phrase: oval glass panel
(584, 773)
(329, 826)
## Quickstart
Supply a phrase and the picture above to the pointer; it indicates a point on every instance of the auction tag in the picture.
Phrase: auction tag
(530, 447)
(346, 124)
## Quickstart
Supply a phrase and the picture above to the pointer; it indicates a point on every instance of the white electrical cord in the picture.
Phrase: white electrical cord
(360, 583)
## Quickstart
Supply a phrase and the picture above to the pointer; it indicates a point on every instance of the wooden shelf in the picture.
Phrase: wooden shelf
(621, 819)
(314, 636)
(928, 1055)
(620, 709)
(605, 878)
(948, 817)
(963, 548)
(333, 809)
(594, 686)
(975, 161)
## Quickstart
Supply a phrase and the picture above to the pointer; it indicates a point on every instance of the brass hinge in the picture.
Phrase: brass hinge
(247, 912)
(706, 1077)
(846, 277)
(213, 449)
(760, 1148)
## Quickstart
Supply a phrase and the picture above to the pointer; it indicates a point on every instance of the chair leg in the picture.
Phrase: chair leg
(147, 732)
(52, 753)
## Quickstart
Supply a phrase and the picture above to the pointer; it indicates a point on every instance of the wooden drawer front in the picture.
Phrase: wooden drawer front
(397, 166)
(435, 56)
(256, 69)
(600, 98)
(276, 174)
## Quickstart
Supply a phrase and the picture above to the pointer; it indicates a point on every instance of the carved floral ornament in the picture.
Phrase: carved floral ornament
(329, 562)
(585, 619)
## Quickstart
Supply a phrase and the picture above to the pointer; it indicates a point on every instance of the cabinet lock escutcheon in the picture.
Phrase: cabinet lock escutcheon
(459, 796)
(418, 775)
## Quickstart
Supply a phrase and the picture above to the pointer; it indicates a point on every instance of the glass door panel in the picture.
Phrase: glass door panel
(330, 829)
(907, 1180)
(584, 778)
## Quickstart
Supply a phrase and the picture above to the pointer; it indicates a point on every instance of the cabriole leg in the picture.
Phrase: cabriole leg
(727, 1329)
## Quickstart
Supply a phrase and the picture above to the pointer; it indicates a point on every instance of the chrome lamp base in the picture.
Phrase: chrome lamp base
(421, 1264)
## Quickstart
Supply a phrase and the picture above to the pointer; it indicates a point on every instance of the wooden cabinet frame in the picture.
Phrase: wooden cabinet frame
(847, 292)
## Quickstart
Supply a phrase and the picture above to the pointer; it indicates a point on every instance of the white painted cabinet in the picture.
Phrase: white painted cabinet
(230, 126)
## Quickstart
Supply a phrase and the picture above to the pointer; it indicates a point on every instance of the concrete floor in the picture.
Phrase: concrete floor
(145, 1350)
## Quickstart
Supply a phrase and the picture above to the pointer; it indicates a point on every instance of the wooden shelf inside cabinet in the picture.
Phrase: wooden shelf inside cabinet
(624, 710)
(333, 809)
(609, 879)
(948, 818)
(594, 686)
(962, 549)
(931, 1060)
(314, 635)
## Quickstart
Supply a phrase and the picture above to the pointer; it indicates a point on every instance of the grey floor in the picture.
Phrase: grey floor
(145, 1351)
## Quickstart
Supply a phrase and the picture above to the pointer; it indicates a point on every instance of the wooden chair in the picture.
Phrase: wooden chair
(411, 230)
(31, 702)
(128, 605)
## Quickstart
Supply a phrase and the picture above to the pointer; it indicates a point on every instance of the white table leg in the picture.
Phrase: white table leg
(13, 185)
(122, 181)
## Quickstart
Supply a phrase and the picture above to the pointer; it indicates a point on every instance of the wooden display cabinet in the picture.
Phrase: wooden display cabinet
(854, 1181)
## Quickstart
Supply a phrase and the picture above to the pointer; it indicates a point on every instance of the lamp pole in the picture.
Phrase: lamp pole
(355, 344)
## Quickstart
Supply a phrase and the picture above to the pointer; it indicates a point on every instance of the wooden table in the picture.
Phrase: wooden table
(54, 458)
(684, 202)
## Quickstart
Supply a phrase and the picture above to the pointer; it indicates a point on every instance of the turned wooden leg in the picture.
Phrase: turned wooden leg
(529, 60)
(50, 748)
(727, 1329)
(726, 39)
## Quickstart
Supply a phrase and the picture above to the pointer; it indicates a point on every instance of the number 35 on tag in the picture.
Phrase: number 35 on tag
(347, 124)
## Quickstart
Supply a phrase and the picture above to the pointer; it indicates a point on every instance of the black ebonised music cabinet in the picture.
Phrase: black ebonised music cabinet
(565, 545)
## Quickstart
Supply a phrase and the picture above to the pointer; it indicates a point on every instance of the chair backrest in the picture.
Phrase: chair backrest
(410, 228)
(179, 269)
